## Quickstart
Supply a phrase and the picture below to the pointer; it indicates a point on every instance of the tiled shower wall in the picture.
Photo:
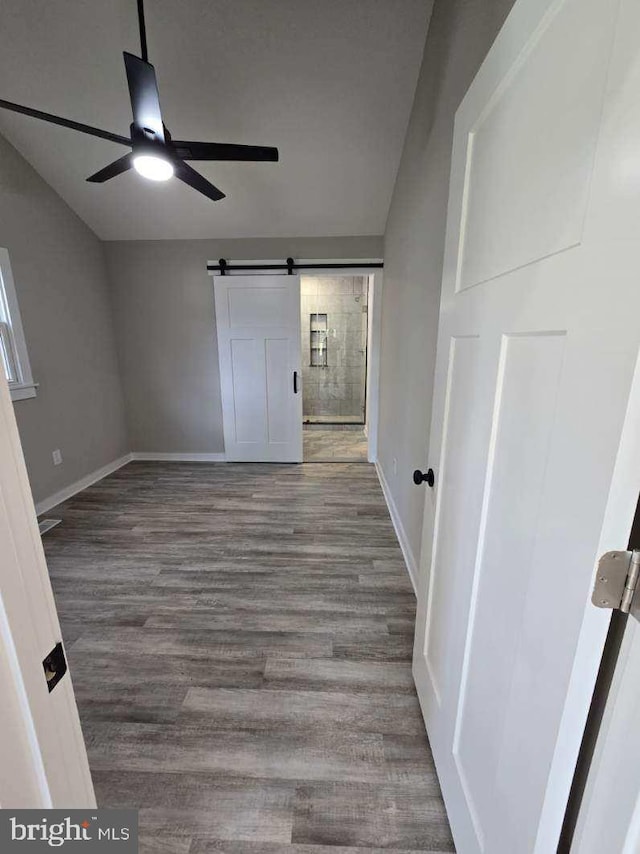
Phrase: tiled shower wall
(337, 390)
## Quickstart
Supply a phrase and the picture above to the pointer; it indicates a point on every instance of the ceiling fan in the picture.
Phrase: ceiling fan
(154, 154)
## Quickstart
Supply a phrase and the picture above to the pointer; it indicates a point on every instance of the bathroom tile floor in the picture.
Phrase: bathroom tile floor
(339, 443)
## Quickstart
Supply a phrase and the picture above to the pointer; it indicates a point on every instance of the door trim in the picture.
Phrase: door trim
(619, 518)
(374, 331)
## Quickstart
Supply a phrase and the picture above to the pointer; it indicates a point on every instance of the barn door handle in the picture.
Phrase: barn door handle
(295, 382)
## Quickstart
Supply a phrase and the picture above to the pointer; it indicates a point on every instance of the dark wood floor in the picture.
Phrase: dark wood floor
(240, 642)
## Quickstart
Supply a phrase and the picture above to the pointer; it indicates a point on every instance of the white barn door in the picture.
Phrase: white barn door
(538, 344)
(258, 321)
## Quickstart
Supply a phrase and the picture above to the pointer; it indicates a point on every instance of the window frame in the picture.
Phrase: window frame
(13, 334)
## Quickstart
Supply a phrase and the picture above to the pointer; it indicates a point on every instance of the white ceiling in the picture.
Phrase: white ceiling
(330, 82)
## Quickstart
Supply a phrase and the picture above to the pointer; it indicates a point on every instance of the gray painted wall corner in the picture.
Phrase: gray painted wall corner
(63, 293)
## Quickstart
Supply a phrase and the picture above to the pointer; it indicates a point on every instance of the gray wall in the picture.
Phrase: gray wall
(61, 283)
(165, 328)
(460, 34)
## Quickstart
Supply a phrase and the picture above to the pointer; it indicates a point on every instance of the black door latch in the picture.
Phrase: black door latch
(55, 666)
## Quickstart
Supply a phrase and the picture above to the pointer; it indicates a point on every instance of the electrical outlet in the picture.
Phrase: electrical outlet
(57, 457)
(394, 465)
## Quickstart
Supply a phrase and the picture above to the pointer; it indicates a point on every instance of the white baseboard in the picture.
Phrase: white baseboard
(401, 534)
(152, 456)
(63, 494)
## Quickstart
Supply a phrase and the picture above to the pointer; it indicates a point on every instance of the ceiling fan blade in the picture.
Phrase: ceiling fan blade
(65, 123)
(116, 168)
(185, 173)
(143, 91)
(224, 151)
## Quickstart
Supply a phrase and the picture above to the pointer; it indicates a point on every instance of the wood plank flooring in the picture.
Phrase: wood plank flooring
(240, 638)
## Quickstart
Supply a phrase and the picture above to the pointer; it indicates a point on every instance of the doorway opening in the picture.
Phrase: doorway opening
(334, 336)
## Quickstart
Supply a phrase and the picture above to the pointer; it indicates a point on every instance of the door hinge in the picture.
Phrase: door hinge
(55, 666)
(617, 581)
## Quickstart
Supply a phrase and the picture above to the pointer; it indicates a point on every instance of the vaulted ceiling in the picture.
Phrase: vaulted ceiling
(330, 82)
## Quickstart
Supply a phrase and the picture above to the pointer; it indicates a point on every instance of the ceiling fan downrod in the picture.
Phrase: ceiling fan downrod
(143, 32)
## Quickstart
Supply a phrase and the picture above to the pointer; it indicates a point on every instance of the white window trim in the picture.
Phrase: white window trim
(25, 387)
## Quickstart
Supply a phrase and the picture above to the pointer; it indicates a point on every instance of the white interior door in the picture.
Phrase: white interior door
(537, 348)
(43, 762)
(258, 320)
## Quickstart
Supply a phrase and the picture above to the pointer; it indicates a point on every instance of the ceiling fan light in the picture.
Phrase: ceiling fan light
(153, 167)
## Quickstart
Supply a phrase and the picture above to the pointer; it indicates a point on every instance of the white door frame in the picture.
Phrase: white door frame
(376, 279)
(618, 519)
(374, 326)
(43, 746)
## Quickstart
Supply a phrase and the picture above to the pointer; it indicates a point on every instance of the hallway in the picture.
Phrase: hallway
(240, 642)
